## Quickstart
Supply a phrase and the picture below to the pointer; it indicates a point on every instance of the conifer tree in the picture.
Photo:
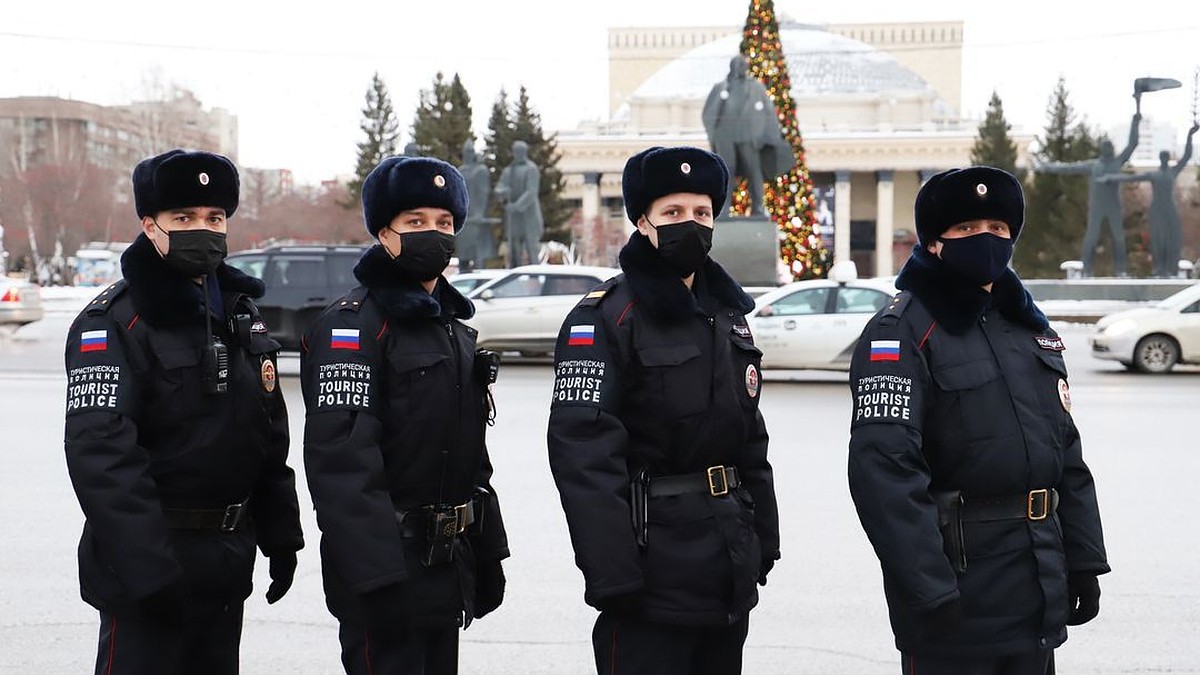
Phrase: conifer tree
(993, 146)
(443, 120)
(788, 198)
(381, 129)
(1055, 204)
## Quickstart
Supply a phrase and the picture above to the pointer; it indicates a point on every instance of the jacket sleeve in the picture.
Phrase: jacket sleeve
(276, 508)
(491, 543)
(109, 470)
(889, 478)
(759, 480)
(1078, 511)
(587, 448)
(341, 372)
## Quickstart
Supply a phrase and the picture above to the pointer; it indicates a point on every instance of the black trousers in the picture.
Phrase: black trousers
(1034, 663)
(206, 643)
(631, 646)
(398, 650)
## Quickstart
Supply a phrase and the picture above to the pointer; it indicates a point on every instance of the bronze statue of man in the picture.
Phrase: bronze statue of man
(1104, 197)
(476, 243)
(743, 129)
(1166, 231)
(518, 189)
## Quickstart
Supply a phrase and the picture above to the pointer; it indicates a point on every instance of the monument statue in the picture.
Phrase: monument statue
(1166, 232)
(518, 189)
(742, 127)
(476, 243)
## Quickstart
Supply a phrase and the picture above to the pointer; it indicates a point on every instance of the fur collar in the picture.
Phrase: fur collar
(163, 297)
(956, 304)
(664, 294)
(406, 299)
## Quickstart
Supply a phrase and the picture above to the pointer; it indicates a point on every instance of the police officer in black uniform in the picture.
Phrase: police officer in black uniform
(965, 465)
(177, 435)
(655, 437)
(398, 399)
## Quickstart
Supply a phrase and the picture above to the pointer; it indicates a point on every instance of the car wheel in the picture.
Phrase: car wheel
(1155, 354)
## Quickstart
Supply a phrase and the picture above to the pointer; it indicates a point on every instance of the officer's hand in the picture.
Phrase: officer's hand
(386, 605)
(767, 564)
(489, 588)
(283, 570)
(624, 603)
(167, 605)
(1083, 590)
(943, 619)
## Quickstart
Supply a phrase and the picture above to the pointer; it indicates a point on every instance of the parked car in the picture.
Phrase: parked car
(523, 309)
(1152, 339)
(20, 302)
(301, 281)
(466, 282)
(816, 324)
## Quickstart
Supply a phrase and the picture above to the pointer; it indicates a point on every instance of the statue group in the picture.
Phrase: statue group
(1104, 197)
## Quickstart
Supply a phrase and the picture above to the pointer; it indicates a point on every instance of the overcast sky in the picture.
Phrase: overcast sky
(295, 73)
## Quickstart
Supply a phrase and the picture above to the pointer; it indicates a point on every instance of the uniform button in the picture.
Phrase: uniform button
(1042, 642)
(343, 303)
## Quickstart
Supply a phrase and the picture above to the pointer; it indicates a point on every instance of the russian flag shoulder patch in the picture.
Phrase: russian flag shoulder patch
(581, 335)
(93, 341)
(885, 350)
(343, 338)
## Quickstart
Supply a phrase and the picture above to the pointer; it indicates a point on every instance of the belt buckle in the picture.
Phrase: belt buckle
(233, 516)
(1031, 510)
(460, 517)
(710, 473)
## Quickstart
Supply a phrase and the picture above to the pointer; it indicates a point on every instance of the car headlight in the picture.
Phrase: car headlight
(1119, 328)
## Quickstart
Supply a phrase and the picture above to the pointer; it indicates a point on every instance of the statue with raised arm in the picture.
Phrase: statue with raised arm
(518, 189)
(743, 129)
(1104, 197)
(1166, 231)
(476, 243)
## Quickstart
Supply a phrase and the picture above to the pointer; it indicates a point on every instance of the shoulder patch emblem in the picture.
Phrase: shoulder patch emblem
(752, 380)
(343, 338)
(269, 376)
(1054, 344)
(741, 330)
(1064, 394)
(885, 350)
(582, 336)
(259, 326)
(93, 341)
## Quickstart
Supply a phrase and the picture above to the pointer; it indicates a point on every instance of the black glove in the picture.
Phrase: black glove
(764, 569)
(283, 570)
(167, 605)
(489, 587)
(623, 603)
(386, 605)
(1083, 591)
(943, 619)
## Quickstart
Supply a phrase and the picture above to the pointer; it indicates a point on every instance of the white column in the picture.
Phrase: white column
(885, 197)
(841, 217)
(590, 208)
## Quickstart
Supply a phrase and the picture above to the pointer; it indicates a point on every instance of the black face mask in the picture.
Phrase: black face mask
(683, 245)
(423, 255)
(980, 258)
(194, 253)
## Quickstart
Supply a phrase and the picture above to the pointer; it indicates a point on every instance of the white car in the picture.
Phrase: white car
(20, 302)
(524, 309)
(466, 282)
(1152, 339)
(816, 324)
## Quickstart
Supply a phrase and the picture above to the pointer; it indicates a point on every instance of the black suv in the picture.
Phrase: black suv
(301, 281)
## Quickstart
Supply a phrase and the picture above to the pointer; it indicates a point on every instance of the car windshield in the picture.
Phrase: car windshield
(1180, 299)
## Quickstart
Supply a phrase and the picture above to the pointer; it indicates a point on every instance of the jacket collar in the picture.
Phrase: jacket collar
(956, 304)
(664, 294)
(404, 298)
(162, 296)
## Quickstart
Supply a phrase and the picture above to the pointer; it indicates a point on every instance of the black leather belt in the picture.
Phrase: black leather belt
(715, 480)
(1033, 505)
(228, 519)
(417, 523)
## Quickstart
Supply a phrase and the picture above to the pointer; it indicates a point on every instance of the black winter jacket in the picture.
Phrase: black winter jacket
(650, 376)
(959, 389)
(396, 414)
(142, 435)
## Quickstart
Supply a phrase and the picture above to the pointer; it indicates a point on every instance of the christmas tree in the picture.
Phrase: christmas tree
(787, 198)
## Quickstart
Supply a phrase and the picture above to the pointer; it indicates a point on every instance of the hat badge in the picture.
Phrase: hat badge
(981, 190)
(439, 180)
(685, 168)
(203, 178)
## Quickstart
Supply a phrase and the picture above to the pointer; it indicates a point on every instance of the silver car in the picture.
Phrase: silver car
(20, 302)
(1152, 339)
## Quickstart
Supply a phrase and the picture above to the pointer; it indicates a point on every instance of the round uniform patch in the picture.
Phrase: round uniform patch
(268, 375)
(752, 380)
(203, 178)
(1064, 394)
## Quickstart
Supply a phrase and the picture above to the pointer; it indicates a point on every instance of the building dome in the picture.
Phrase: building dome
(819, 63)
